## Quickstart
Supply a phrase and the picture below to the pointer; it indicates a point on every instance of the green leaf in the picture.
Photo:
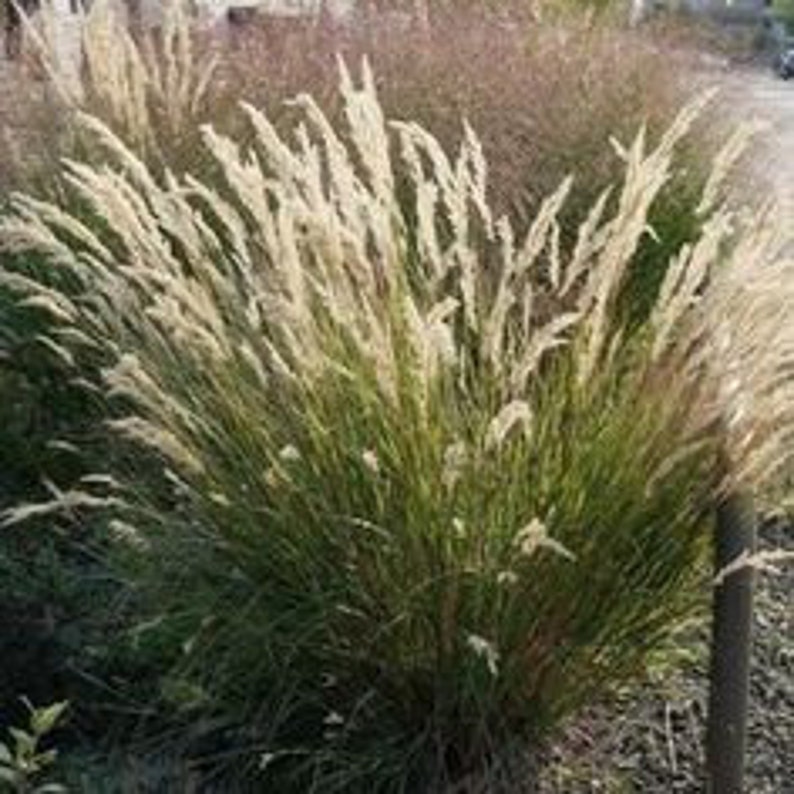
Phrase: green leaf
(8, 775)
(44, 720)
(46, 759)
(5, 754)
(26, 744)
(50, 788)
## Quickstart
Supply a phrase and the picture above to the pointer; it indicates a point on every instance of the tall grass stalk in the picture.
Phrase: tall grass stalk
(148, 87)
(425, 493)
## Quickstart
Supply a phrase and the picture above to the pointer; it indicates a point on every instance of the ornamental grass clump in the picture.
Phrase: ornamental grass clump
(150, 87)
(423, 495)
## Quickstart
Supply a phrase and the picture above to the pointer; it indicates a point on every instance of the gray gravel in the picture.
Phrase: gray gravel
(653, 740)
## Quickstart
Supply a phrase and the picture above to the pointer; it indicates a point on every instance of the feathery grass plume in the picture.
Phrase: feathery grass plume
(147, 89)
(336, 375)
(544, 98)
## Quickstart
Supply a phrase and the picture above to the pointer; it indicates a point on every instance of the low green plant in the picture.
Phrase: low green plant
(23, 763)
(425, 489)
(783, 10)
(54, 594)
(63, 608)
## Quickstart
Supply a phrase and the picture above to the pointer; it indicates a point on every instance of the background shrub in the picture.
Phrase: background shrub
(547, 99)
(784, 11)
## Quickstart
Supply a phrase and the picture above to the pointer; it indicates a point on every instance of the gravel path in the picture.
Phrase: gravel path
(772, 99)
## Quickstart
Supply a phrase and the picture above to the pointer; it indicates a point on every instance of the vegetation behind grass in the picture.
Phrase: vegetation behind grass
(548, 100)
(783, 10)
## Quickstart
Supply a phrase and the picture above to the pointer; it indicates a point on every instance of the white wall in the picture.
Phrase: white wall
(216, 8)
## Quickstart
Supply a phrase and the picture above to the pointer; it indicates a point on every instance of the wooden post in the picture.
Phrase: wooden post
(730, 651)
